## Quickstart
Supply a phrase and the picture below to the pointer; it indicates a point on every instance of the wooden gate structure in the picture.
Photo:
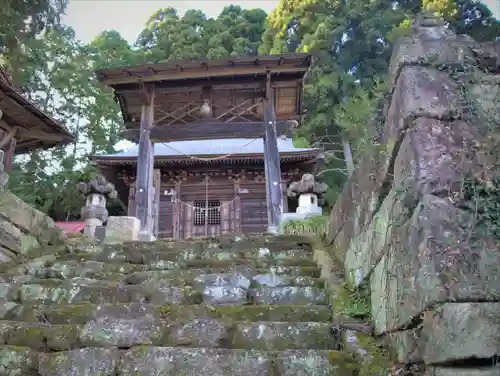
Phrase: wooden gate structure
(238, 97)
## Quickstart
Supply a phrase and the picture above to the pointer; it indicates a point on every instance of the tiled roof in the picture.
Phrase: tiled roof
(237, 146)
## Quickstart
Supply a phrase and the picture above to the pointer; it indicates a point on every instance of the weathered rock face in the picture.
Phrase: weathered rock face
(403, 224)
(242, 306)
(23, 228)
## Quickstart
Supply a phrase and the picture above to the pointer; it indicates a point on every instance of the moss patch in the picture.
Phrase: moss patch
(352, 302)
(70, 314)
(345, 363)
(380, 362)
(292, 313)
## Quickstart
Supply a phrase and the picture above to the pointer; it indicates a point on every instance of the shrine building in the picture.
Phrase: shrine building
(227, 180)
(214, 151)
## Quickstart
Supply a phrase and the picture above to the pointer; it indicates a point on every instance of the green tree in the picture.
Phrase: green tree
(352, 45)
(235, 31)
(22, 22)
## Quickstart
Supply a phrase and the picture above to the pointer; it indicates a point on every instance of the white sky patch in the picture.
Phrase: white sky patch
(91, 17)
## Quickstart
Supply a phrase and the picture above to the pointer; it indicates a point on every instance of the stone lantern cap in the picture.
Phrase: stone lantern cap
(306, 185)
(99, 185)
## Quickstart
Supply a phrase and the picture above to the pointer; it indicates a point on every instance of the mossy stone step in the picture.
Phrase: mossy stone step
(83, 313)
(228, 243)
(151, 257)
(170, 361)
(136, 273)
(50, 291)
(167, 261)
(248, 272)
(167, 361)
(288, 295)
(53, 291)
(195, 280)
(283, 335)
(108, 331)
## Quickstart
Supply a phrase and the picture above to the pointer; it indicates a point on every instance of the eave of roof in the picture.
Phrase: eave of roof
(212, 151)
(205, 68)
(186, 161)
(63, 136)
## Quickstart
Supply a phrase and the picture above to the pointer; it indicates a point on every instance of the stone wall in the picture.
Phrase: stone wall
(23, 228)
(403, 224)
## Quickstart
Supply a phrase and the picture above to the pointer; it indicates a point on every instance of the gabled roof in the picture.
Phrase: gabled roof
(236, 149)
(298, 63)
(35, 129)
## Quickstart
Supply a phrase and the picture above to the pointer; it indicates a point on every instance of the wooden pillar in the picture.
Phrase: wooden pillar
(9, 155)
(145, 158)
(237, 206)
(156, 200)
(177, 216)
(272, 161)
(8, 145)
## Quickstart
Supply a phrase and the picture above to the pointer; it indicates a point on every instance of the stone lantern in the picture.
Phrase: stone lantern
(310, 193)
(96, 192)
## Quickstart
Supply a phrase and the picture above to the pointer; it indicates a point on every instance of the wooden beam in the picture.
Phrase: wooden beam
(272, 161)
(8, 137)
(209, 129)
(145, 158)
(217, 84)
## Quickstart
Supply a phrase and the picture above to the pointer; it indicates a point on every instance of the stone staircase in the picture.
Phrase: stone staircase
(229, 306)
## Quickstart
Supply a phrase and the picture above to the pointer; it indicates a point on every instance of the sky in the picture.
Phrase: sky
(90, 17)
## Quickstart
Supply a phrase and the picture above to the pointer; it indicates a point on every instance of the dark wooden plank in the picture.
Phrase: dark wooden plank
(156, 198)
(272, 163)
(210, 130)
(144, 182)
(131, 202)
(8, 158)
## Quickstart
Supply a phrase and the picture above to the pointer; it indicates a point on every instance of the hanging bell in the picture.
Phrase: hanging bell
(205, 109)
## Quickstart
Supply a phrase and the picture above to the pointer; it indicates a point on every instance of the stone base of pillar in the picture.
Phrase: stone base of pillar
(121, 229)
(145, 236)
(272, 230)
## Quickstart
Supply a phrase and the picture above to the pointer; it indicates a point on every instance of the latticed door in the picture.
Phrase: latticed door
(206, 217)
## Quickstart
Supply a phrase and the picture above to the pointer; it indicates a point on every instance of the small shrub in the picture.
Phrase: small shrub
(312, 226)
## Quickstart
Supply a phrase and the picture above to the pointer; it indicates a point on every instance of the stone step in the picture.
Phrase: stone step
(108, 331)
(274, 244)
(170, 361)
(283, 335)
(135, 273)
(248, 272)
(83, 313)
(162, 259)
(53, 291)
(214, 362)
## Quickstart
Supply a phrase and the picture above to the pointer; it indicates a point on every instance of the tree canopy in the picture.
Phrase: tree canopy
(351, 41)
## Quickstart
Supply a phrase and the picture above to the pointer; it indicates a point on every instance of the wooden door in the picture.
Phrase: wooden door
(253, 207)
(166, 217)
